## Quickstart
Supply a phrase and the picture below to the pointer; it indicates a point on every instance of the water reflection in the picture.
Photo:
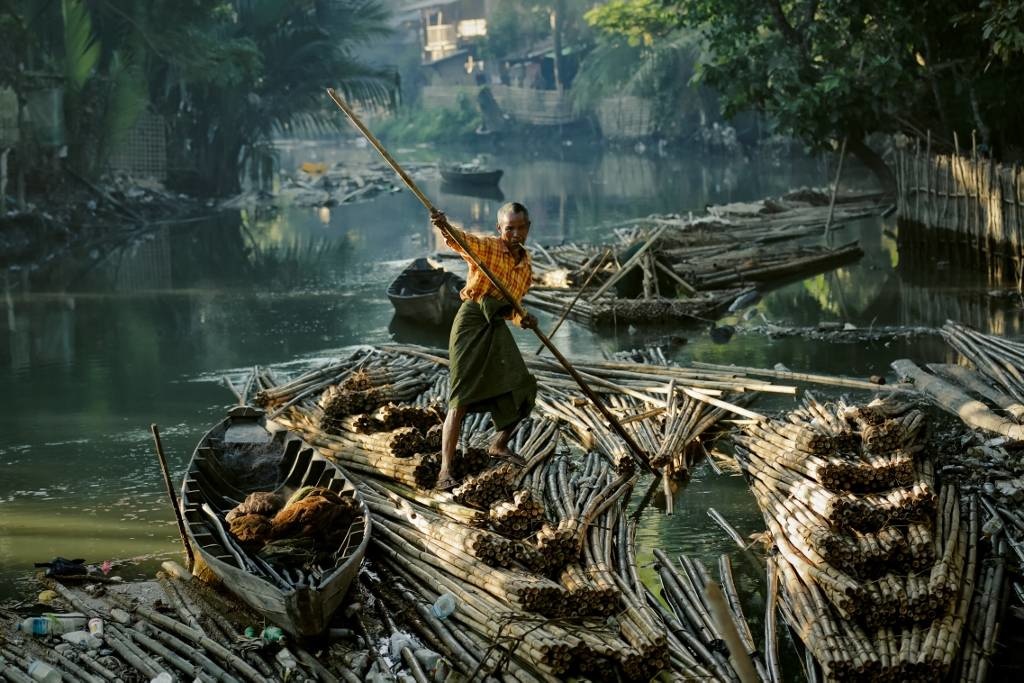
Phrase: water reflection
(98, 345)
(492, 192)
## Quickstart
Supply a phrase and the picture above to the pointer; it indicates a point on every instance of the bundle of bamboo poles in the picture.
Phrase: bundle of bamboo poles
(518, 517)
(712, 613)
(1000, 360)
(566, 599)
(882, 594)
(391, 416)
(608, 310)
(367, 389)
(738, 243)
(756, 264)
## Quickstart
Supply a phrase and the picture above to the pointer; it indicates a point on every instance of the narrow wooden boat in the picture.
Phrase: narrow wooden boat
(244, 454)
(426, 293)
(458, 175)
(492, 192)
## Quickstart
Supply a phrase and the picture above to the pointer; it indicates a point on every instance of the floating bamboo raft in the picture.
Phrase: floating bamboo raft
(877, 571)
(988, 395)
(540, 558)
(709, 261)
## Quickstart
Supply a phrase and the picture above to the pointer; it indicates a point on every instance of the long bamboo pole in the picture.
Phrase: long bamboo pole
(638, 454)
(565, 312)
(190, 558)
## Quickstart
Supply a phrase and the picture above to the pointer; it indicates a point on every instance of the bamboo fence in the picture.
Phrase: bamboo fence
(525, 105)
(976, 202)
(626, 117)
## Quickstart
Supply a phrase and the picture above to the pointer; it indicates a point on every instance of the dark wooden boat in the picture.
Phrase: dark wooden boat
(481, 191)
(457, 175)
(426, 293)
(241, 455)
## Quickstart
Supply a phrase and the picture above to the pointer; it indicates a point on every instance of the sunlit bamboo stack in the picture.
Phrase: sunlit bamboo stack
(708, 261)
(540, 558)
(876, 571)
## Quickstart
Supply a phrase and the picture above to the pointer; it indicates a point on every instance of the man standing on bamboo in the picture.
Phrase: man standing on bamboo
(487, 372)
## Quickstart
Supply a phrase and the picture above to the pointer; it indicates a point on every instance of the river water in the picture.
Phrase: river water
(100, 344)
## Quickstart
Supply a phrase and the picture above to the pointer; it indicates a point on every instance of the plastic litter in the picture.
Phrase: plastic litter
(61, 566)
(52, 623)
(286, 659)
(398, 641)
(120, 616)
(444, 606)
(41, 671)
(272, 634)
(82, 639)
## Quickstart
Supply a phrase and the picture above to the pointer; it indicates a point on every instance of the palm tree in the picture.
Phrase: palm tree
(660, 70)
(260, 71)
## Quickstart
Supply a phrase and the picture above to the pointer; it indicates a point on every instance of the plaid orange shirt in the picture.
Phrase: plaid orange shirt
(493, 253)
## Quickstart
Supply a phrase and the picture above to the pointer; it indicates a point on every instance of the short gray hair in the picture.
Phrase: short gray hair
(510, 208)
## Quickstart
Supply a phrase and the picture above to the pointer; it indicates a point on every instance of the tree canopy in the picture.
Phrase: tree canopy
(825, 70)
(226, 75)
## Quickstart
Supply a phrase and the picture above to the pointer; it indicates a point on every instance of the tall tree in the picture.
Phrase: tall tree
(257, 68)
(824, 70)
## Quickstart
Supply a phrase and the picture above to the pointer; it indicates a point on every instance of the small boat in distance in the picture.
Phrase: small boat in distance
(480, 191)
(468, 174)
(243, 455)
(426, 293)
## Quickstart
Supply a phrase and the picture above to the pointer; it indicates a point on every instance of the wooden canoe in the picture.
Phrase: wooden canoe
(426, 293)
(243, 454)
(460, 176)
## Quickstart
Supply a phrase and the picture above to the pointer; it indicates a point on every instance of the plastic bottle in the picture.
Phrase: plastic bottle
(53, 623)
(272, 634)
(41, 671)
(444, 606)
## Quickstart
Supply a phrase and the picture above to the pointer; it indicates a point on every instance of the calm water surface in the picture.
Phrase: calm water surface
(100, 345)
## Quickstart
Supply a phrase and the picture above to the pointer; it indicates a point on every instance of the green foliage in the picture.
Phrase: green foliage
(513, 28)
(81, 48)
(640, 52)
(642, 22)
(259, 71)
(824, 70)
(1002, 26)
(125, 101)
(432, 125)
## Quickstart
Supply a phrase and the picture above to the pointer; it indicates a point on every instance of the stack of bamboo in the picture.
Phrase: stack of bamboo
(518, 517)
(877, 575)
(999, 360)
(709, 261)
(607, 310)
(367, 389)
(533, 603)
(194, 636)
(714, 629)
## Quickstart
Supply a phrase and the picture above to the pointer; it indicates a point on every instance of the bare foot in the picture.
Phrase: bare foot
(506, 455)
(445, 482)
